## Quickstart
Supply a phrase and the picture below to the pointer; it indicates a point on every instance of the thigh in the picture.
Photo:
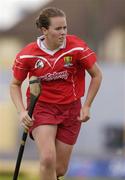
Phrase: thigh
(44, 114)
(63, 153)
(68, 129)
(44, 137)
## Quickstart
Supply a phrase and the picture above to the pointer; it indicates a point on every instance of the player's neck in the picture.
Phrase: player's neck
(50, 45)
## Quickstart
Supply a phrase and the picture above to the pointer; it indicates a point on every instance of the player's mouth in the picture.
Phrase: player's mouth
(61, 38)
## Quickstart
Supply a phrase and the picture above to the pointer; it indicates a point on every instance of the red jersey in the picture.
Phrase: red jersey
(62, 72)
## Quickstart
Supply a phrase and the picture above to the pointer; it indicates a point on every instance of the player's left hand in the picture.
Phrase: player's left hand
(84, 114)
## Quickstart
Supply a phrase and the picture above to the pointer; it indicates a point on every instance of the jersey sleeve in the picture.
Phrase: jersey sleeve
(20, 69)
(87, 57)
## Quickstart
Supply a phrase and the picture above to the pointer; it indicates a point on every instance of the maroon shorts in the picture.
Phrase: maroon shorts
(62, 115)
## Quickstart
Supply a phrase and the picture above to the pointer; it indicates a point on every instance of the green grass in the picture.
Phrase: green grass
(9, 176)
(24, 176)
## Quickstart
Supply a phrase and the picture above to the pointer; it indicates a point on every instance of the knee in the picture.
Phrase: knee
(61, 169)
(48, 160)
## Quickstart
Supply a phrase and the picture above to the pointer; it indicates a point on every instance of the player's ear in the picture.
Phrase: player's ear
(44, 31)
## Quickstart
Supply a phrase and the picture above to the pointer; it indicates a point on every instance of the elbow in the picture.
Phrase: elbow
(14, 84)
(100, 75)
(11, 86)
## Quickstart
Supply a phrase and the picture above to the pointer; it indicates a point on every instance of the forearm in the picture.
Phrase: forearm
(93, 89)
(16, 95)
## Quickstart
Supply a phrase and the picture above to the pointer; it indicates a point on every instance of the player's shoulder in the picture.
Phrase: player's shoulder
(73, 40)
(29, 49)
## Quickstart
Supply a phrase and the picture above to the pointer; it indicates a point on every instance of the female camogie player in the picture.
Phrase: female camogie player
(60, 61)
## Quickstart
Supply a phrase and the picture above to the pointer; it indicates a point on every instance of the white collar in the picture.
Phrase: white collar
(44, 48)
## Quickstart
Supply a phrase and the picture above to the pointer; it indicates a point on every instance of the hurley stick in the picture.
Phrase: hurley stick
(35, 90)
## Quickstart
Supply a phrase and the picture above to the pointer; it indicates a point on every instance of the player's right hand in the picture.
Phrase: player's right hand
(25, 119)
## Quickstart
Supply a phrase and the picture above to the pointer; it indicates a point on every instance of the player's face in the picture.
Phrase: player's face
(56, 33)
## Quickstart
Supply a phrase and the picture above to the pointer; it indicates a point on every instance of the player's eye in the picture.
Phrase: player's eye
(58, 28)
(64, 27)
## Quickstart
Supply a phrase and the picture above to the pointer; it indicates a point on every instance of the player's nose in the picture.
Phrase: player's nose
(63, 31)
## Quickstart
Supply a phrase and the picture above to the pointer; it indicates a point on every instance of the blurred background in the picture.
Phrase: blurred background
(100, 149)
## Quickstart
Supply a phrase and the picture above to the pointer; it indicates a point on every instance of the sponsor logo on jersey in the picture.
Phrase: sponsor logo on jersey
(39, 64)
(55, 76)
(68, 61)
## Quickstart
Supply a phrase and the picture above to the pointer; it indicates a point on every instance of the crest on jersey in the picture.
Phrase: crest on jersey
(39, 64)
(68, 61)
